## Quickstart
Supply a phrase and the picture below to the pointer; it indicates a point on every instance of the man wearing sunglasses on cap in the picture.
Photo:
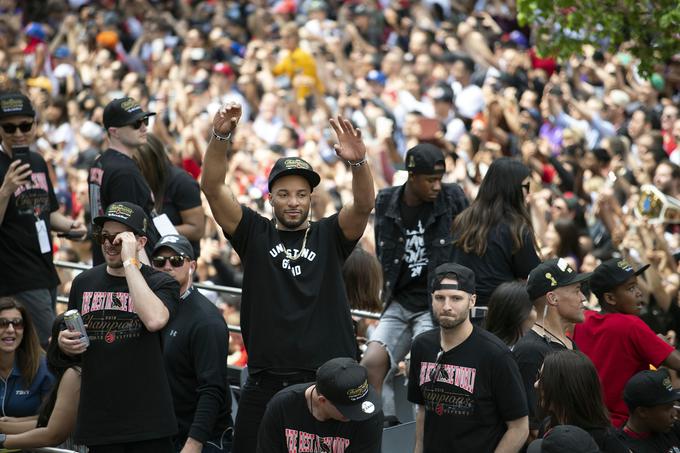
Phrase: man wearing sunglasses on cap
(114, 176)
(125, 400)
(28, 213)
(195, 350)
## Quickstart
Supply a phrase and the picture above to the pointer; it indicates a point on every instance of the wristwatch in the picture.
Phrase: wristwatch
(3, 438)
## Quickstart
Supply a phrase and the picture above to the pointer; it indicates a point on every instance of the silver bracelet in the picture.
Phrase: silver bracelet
(358, 163)
(221, 138)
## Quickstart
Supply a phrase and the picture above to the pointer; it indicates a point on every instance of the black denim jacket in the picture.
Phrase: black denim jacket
(390, 232)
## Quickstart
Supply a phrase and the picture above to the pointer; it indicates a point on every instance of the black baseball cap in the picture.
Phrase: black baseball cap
(552, 274)
(293, 166)
(425, 159)
(129, 214)
(123, 112)
(464, 276)
(650, 388)
(612, 273)
(15, 104)
(345, 384)
(442, 92)
(177, 243)
(565, 439)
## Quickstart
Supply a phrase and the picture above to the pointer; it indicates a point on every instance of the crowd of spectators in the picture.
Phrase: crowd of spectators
(602, 142)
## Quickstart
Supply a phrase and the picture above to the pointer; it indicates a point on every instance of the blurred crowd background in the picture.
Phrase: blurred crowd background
(463, 75)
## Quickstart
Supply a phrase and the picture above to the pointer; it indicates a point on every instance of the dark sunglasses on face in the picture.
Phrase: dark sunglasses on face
(175, 261)
(137, 124)
(101, 238)
(12, 128)
(18, 323)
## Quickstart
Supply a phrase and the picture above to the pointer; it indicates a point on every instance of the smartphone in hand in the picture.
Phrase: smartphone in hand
(21, 153)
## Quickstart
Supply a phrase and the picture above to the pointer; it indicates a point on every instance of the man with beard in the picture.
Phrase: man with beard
(412, 237)
(294, 311)
(464, 380)
(125, 400)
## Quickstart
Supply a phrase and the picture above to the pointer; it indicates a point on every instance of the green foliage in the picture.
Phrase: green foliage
(650, 29)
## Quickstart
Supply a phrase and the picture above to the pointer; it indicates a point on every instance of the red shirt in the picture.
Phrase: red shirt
(620, 346)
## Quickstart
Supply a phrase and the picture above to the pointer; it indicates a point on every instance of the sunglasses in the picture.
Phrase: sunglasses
(137, 124)
(101, 238)
(175, 261)
(11, 128)
(18, 323)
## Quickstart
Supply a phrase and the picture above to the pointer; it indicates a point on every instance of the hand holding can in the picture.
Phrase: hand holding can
(74, 323)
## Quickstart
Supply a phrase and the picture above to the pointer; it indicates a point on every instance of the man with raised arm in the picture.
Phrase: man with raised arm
(294, 312)
(125, 400)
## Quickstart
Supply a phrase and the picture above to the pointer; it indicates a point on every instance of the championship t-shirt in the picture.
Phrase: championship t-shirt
(24, 266)
(620, 346)
(116, 177)
(181, 193)
(294, 312)
(469, 392)
(124, 394)
(288, 426)
(411, 288)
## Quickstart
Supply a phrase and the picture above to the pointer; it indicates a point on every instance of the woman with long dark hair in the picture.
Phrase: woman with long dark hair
(562, 241)
(175, 192)
(570, 393)
(24, 379)
(57, 418)
(511, 313)
(363, 279)
(494, 236)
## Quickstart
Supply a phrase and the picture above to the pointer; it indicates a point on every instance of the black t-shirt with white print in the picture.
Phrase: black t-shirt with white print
(288, 426)
(24, 266)
(294, 313)
(469, 392)
(124, 394)
(411, 288)
(116, 177)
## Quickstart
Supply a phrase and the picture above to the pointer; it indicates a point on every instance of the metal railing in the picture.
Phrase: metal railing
(217, 288)
(47, 450)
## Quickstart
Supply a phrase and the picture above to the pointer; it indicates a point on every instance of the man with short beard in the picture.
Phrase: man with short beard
(125, 400)
(464, 380)
(294, 310)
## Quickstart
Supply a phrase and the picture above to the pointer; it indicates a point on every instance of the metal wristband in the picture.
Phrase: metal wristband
(221, 138)
(358, 163)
